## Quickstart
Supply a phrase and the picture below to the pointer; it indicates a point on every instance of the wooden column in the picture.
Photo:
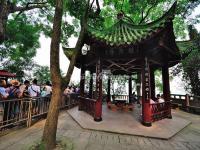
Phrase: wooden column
(129, 87)
(98, 104)
(108, 90)
(82, 86)
(91, 85)
(152, 82)
(146, 94)
(166, 87)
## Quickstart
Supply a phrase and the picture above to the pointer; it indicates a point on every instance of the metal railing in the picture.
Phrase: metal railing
(25, 110)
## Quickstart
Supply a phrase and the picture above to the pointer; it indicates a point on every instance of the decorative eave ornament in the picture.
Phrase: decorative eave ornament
(85, 49)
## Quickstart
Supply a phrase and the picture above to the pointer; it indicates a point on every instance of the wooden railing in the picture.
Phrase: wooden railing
(160, 110)
(186, 102)
(87, 105)
(19, 111)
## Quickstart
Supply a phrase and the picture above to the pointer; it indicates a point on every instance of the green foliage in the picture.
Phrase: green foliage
(42, 73)
(158, 81)
(120, 81)
(17, 52)
(149, 10)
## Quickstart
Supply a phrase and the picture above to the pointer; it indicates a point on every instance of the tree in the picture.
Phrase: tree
(49, 138)
(17, 52)
(8, 7)
(19, 34)
(190, 66)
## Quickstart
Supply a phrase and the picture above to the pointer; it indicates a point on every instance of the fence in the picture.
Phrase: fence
(87, 105)
(186, 102)
(25, 110)
(160, 111)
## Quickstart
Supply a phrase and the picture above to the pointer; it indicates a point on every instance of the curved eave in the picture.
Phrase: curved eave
(125, 33)
(69, 52)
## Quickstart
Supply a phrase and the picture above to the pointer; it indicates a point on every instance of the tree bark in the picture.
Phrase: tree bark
(3, 19)
(49, 134)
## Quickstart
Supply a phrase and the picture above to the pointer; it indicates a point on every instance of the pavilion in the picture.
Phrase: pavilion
(127, 49)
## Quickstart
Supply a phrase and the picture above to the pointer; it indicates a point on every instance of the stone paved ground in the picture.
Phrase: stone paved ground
(187, 139)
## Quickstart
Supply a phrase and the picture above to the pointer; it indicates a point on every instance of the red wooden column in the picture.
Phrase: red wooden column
(166, 87)
(82, 87)
(91, 85)
(129, 88)
(108, 90)
(98, 104)
(152, 82)
(146, 94)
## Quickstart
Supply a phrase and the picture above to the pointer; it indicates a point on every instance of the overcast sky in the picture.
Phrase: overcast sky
(43, 58)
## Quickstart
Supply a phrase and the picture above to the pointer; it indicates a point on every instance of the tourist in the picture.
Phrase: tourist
(3, 93)
(34, 89)
(14, 106)
(67, 91)
(24, 89)
(48, 88)
(13, 90)
(160, 99)
(152, 101)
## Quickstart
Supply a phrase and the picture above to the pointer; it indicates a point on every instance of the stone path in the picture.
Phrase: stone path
(187, 139)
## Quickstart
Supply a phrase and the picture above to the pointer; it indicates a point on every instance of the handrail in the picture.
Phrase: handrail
(87, 105)
(160, 110)
(15, 111)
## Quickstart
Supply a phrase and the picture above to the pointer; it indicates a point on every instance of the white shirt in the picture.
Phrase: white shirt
(152, 101)
(48, 89)
(161, 100)
(33, 90)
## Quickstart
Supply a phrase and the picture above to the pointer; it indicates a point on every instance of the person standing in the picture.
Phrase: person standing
(24, 89)
(34, 89)
(3, 95)
(48, 88)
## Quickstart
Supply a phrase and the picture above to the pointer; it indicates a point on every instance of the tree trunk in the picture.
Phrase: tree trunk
(78, 46)
(3, 19)
(49, 134)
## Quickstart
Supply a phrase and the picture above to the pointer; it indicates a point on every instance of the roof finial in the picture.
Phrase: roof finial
(120, 15)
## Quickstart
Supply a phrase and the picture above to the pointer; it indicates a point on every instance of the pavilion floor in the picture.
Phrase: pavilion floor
(129, 123)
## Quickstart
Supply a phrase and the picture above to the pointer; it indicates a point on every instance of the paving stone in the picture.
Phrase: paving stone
(187, 139)
(94, 146)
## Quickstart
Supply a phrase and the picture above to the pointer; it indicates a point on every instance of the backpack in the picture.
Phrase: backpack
(12, 93)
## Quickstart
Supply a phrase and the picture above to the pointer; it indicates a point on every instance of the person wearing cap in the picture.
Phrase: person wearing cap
(14, 91)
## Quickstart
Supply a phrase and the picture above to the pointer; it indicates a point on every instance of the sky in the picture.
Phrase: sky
(43, 58)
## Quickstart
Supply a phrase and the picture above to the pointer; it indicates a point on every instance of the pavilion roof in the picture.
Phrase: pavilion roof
(126, 33)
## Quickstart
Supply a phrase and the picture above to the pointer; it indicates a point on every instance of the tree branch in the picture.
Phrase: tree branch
(98, 7)
(28, 6)
(91, 5)
(147, 14)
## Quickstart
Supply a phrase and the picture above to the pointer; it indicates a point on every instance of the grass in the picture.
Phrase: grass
(62, 144)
